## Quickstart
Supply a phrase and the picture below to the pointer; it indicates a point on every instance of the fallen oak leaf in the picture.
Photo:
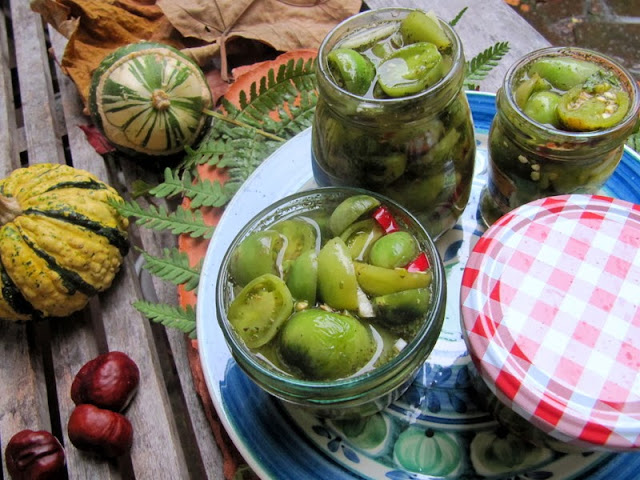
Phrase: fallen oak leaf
(278, 23)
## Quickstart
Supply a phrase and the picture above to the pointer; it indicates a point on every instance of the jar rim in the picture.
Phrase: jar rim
(336, 34)
(376, 378)
(630, 86)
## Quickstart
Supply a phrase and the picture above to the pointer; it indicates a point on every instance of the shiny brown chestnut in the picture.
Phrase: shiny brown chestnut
(100, 431)
(34, 455)
(108, 381)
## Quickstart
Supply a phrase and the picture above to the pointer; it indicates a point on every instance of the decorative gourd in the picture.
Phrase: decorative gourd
(149, 98)
(60, 240)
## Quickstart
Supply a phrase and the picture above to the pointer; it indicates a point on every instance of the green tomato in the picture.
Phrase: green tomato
(379, 281)
(257, 254)
(581, 110)
(543, 108)
(402, 307)
(260, 309)
(360, 236)
(300, 235)
(527, 87)
(394, 250)
(419, 26)
(349, 210)
(383, 170)
(351, 70)
(337, 282)
(563, 72)
(323, 345)
(410, 69)
(303, 277)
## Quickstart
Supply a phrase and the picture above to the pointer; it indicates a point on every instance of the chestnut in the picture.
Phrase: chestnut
(100, 431)
(108, 381)
(34, 455)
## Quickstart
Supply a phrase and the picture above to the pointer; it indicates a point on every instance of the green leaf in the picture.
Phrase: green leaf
(458, 17)
(480, 65)
(180, 222)
(183, 319)
(173, 267)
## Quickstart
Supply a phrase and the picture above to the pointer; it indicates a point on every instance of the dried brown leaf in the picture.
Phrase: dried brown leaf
(284, 25)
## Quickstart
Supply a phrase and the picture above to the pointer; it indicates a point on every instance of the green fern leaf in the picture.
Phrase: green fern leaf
(173, 185)
(480, 65)
(457, 18)
(159, 218)
(173, 267)
(183, 319)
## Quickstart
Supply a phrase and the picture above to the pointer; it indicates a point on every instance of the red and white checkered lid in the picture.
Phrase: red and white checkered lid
(550, 304)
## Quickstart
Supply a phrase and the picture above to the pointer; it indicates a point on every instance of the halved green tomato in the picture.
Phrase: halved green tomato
(337, 283)
(563, 72)
(424, 27)
(378, 281)
(351, 70)
(360, 236)
(543, 107)
(260, 309)
(303, 277)
(350, 210)
(410, 69)
(402, 307)
(580, 110)
(255, 255)
(300, 234)
(527, 87)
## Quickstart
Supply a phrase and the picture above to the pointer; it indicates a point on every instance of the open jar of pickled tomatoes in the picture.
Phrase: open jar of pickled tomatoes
(563, 115)
(392, 116)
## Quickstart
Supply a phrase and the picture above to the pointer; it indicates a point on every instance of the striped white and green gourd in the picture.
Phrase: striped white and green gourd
(149, 98)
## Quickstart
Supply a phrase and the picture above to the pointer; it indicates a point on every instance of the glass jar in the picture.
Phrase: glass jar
(530, 160)
(369, 390)
(418, 150)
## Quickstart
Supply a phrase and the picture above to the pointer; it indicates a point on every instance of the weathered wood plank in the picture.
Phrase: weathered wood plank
(482, 25)
(38, 102)
(8, 127)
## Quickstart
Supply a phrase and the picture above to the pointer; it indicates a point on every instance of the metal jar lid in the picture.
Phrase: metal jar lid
(550, 303)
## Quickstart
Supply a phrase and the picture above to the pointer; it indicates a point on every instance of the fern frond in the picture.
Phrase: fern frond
(180, 222)
(173, 267)
(205, 193)
(173, 185)
(183, 319)
(480, 65)
(458, 17)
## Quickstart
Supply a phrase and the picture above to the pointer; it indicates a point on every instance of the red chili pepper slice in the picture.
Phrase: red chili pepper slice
(384, 217)
(419, 264)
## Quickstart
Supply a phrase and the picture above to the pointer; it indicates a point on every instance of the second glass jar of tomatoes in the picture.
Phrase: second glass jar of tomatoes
(392, 116)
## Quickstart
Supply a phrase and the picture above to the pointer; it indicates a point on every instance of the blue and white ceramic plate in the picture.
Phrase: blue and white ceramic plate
(436, 429)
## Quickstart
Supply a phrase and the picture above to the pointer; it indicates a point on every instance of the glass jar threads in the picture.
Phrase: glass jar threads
(391, 115)
(563, 115)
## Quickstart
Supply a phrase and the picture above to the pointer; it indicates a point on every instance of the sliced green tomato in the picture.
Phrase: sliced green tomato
(396, 249)
(527, 87)
(351, 70)
(378, 281)
(360, 236)
(402, 307)
(419, 26)
(257, 254)
(583, 111)
(324, 345)
(543, 107)
(386, 169)
(300, 235)
(563, 72)
(350, 210)
(303, 277)
(410, 69)
(260, 309)
(337, 282)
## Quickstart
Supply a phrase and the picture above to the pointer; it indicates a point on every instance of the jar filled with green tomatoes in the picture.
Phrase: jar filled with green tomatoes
(392, 116)
(563, 116)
